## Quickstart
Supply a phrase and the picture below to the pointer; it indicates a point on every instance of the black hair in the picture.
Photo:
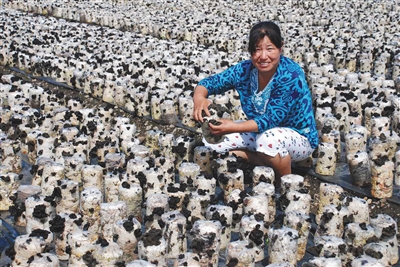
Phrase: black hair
(262, 29)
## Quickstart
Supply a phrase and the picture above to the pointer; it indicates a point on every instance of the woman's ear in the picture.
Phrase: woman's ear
(281, 48)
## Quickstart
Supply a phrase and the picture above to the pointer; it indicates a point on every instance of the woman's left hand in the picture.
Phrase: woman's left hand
(224, 126)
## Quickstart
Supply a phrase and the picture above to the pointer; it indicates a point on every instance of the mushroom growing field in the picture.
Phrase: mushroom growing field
(102, 163)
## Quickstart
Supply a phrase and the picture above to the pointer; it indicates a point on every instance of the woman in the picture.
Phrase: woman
(276, 99)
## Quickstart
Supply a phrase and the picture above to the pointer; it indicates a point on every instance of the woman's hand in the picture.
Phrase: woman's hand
(223, 126)
(201, 103)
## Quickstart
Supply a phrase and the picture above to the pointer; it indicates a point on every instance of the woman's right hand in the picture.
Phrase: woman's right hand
(201, 103)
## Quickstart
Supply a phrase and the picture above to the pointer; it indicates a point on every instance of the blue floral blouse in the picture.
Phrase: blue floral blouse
(285, 102)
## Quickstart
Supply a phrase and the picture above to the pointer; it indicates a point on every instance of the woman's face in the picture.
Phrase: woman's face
(266, 57)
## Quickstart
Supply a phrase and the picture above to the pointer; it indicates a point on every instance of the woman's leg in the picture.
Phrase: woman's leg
(233, 141)
(275, 148)
(278, 147)
(281, 165)
(284, 141)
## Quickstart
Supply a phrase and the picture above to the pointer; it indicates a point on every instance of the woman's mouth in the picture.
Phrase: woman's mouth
(263, 64)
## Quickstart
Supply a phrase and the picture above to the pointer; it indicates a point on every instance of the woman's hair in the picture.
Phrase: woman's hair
(262, 29)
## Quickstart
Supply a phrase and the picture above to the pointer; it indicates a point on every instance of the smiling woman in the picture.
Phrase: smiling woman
(280, 126)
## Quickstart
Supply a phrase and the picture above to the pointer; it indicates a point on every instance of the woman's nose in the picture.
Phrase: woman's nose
(264, 54)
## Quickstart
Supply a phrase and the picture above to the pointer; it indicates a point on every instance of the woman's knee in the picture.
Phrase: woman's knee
(216, 147)
(232, 141)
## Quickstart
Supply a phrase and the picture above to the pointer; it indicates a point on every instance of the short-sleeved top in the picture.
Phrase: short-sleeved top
(285, 102)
